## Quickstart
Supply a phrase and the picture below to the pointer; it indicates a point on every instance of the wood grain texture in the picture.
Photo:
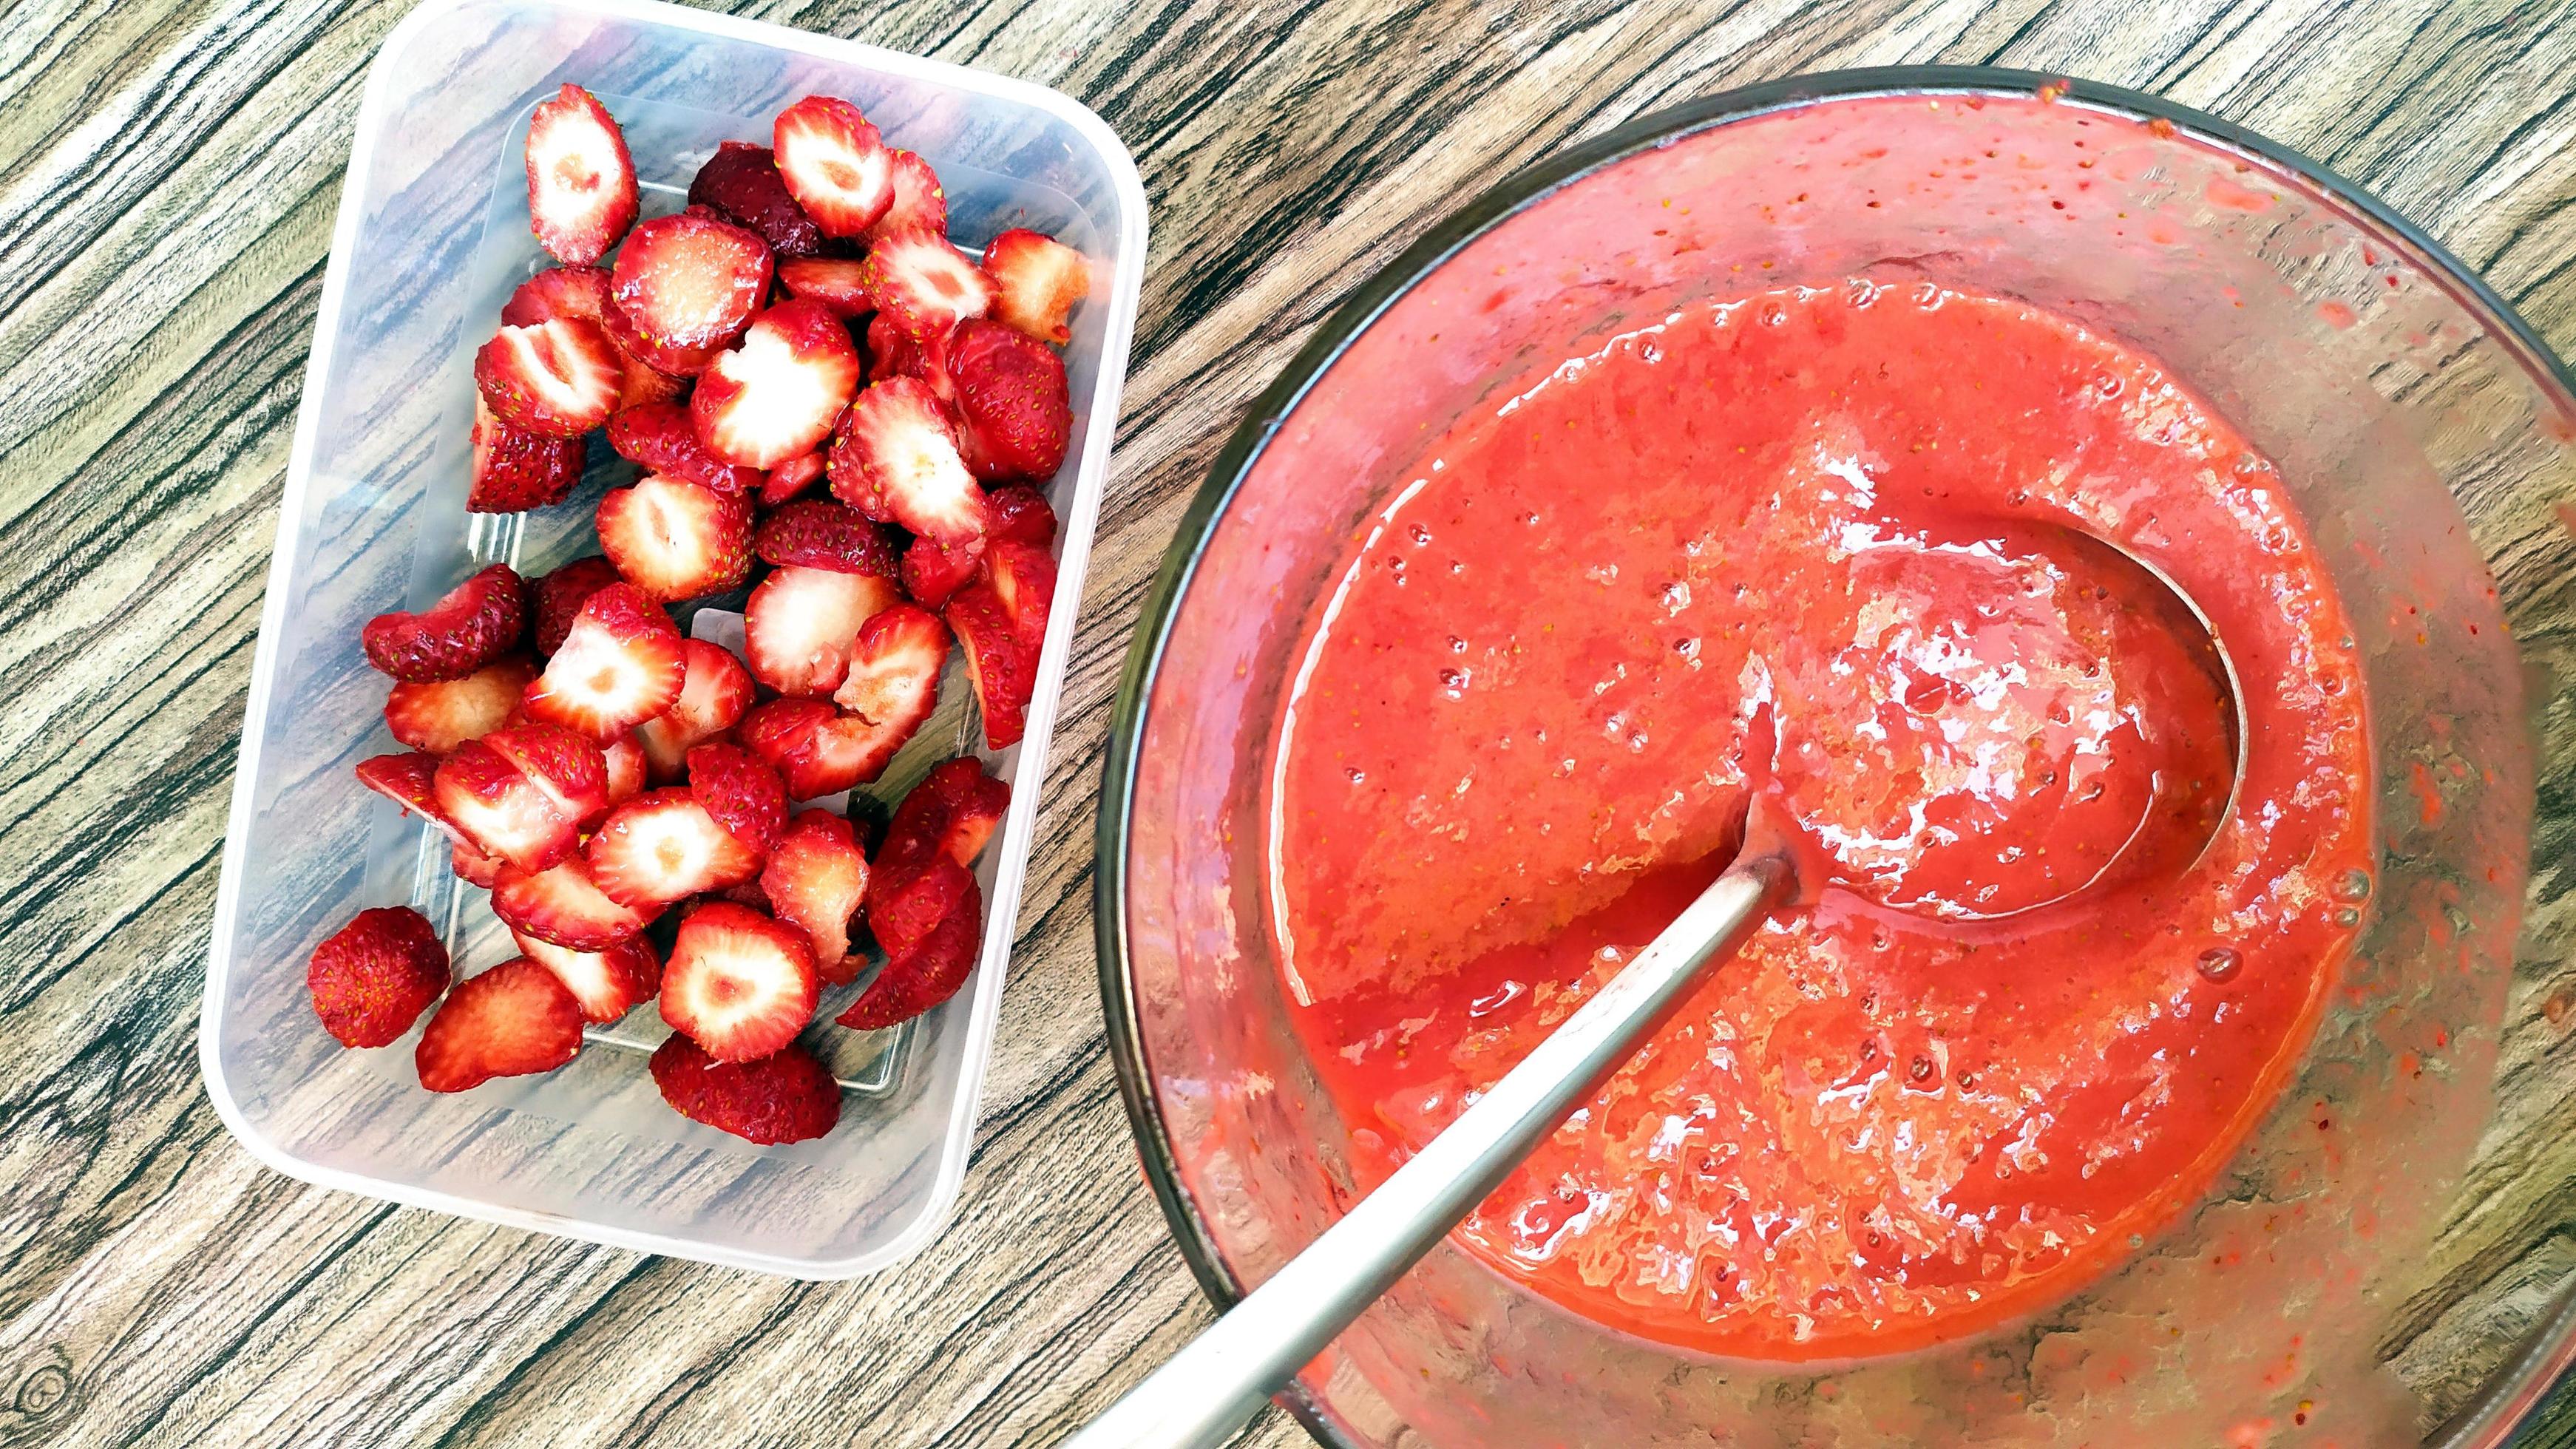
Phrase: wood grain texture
(168, 179)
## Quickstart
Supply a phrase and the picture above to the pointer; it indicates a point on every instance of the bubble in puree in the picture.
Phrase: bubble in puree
(2057, 950)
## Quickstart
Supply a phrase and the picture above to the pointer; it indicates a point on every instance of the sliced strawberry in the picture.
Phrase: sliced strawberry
(569, 768)
(816, 880)
(742, 791)
(674, 539)
(816, 533)
(561, 377)
(1036, 281)
(439, 715)
(951, 813)
(1020, 514)
(662, 438)
(470, 626)
(410, 781)
(1022, 577)
(512, 1021)
(895, 661)
(1011, 398)
(516, 470)
(929, 970)
(620, 665)
(674, 365)
(741, 184)
(738, 984)
(497, 809)
(920, 202)
(690, 281)
(374, 977)
(776, 395)
(893, 352)
(663, 845)
(786, 1096)
(903, 906)
(834, 164)
(558, 292)
(474, 867)
(556, 598)
(564, 906)
(714, 693)
(606, 984)
(923, 283)
(832, 281)
(581, 182)
(627, 766)
(932, 571)
(895, 459)
(816, 748)
(793, 478)
(1002, 667)
(798, 624)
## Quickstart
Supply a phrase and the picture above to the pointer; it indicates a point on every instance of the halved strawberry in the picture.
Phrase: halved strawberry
(932, 570)
(569, 768)
(662, 438)
(581, 182)
(895, 459)
(741, 183)
(930, 967)
(738, 984)
(556, 598)
(714, 692)
(816, 748)
(927, 286)
(1019, 514)
(799, 622)
(620, 665)
(512, 1021)
(786, 1096)
(895, 661)
(410, 781)
(660, 360)
(627, 766)
(471, 625)
(1002, 667)
(834, 163)
(903, 906)
(815, 881)
(690, 281)
(920, 202)
(742, 791)
(951, 813)
(893, 352)
(558, 292)
(1011, 398)
(1022, 577)
(606, 984)
(516, 470)
(832, 281)
(1036, 281)
(374, 977)
(776, 394)
(439, 715)
(474, 867)
(663, 845)
(817, 533)
(561, 377)
(496, 808)
(673, 539)
(564, 906)
(792, 478)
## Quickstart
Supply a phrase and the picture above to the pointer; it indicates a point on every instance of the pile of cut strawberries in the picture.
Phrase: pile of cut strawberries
(598, 772)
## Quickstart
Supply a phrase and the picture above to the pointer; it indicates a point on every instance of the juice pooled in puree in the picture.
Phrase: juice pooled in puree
(1814, 543)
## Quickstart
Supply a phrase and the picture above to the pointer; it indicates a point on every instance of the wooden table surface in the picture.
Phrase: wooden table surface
(169, 171)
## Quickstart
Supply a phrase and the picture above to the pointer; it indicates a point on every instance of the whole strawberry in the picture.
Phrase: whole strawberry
(374, 978)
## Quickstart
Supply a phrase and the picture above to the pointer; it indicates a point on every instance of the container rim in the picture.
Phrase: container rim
(1018, 832)
(2550, 1349)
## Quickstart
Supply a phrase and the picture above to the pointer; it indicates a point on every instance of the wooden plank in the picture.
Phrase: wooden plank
(168, 176)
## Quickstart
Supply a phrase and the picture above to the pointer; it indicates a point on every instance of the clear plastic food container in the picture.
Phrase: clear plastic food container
(432, 236)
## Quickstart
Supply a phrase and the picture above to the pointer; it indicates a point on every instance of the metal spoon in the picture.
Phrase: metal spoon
(1213, 1386)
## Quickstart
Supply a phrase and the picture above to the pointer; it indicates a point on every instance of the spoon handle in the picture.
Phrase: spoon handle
(1212, 1386)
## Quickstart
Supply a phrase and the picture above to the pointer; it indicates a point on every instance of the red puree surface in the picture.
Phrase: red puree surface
(1816, 543)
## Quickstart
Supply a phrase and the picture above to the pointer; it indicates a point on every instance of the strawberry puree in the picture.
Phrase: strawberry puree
(1815, 543)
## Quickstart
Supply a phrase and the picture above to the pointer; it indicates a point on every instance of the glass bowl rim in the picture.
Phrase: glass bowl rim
(2511, 1392)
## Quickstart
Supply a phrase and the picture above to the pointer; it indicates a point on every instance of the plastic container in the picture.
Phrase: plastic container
(432, 236)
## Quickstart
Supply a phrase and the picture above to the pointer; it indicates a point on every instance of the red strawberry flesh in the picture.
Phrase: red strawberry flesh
(776, 394)
(514, 1020)
(927, 286)
(742, 791)
(561, 377)
(663, 438)
(662, 846)
(714, 693)
(816, 880)
(927, 973)
(621, 664)
(690, 281)
(834, 163)
(817, 533)
(605, 984)
(581, 182)
(738, 984)
(786, 1096)
(799, 624)
(439, 715)
(565, 906)
(1036, 281)
(673, 539)
(895, 459)
(470, 626)
(833, 281)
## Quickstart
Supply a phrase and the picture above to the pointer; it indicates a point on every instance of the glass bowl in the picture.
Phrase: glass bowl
(2373, 1266)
